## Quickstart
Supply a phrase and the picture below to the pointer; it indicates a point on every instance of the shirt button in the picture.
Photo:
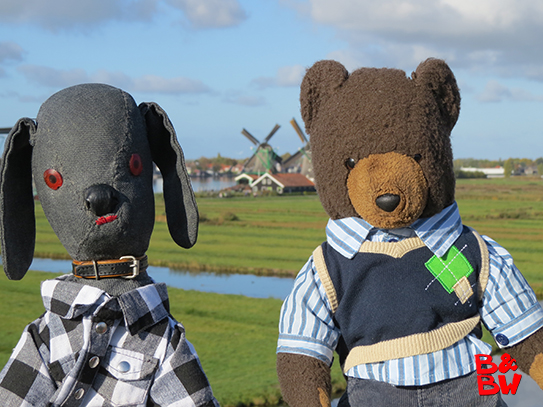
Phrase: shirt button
(79, 394)
(94, 361)
(124, 367)
(101, 328)
(502, 339)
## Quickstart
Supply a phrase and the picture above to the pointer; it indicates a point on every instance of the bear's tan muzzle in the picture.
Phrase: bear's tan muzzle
(388, 190)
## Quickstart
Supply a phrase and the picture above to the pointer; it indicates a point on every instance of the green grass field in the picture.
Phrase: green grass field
(235, 336)
(510, 212)
(276, 235)
(272, 235)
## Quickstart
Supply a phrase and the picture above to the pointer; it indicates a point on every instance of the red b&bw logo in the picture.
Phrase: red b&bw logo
(485, 380)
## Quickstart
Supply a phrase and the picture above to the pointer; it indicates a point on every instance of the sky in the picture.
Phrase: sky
(218, 66)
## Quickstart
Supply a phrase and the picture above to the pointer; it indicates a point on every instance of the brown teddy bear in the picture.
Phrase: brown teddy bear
(400, 287)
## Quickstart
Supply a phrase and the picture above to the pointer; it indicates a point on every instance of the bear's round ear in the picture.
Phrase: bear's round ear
(436, 76)
(319, 82)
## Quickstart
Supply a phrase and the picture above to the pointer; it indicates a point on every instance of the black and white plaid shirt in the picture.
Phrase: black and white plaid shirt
(91, 349)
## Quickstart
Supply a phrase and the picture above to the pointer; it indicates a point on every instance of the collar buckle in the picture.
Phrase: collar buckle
(135, 267)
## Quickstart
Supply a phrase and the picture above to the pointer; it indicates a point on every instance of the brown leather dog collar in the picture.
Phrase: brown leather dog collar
(126, 267)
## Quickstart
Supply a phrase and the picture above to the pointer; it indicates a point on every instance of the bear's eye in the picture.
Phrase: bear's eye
(135, 164)
(417, 157)
(52, 179)
(350, 163)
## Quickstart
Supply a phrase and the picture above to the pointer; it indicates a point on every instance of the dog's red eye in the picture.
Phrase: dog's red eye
(53, 179)
(135, 164)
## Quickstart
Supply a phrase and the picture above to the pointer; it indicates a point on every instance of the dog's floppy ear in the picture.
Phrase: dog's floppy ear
(17, 220)
(181, 210)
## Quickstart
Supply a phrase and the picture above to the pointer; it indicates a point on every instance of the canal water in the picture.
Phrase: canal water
(202, 184)
(240, 284)
(211, 183)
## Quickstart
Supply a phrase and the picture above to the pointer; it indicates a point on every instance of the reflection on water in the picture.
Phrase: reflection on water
(202, 184)
(242, 284)
(211, 184)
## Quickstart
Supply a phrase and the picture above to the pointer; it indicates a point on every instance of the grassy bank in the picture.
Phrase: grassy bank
(275, 235)
(272, 235)
(511, 212)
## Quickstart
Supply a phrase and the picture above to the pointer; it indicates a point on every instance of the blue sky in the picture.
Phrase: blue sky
(217, 66)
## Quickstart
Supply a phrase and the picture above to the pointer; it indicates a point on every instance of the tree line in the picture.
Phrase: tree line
(511, 166)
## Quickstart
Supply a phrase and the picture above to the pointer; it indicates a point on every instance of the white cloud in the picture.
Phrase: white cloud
(211, 13)
(387, 54)
(10, 51)
(290, 75)
(456, 18)
(79, 15)
(237, 98)
(56, 15)
(53, 77)
(115, 78)
(263, 82)
(153, 83)
(499, 36)
(25, 98)
(59, 78)
(496, 92)
(287, 76)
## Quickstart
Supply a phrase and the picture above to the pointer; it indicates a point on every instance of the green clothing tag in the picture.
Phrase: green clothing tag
(450, 268)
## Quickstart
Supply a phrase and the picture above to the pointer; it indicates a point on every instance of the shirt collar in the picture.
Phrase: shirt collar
(141, 308)
(438, 232)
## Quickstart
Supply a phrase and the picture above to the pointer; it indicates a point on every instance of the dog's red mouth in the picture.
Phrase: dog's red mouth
(105, 219)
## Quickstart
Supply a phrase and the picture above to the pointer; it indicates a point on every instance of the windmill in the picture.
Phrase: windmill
(264, 158)
(301, 160)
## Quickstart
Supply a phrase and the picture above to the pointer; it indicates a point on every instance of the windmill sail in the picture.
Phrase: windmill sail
(264, 159)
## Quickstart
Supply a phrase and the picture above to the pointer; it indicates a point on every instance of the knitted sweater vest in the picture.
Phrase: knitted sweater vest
(397, 299)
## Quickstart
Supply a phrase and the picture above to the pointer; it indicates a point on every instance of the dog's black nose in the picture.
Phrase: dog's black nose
(388, 202)
(101, 199)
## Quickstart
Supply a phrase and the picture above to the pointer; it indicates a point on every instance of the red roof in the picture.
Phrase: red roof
(293, 180)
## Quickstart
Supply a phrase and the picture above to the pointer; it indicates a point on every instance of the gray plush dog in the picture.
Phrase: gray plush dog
(106, 338)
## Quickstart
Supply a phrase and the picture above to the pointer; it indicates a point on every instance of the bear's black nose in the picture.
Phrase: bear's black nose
(388, 202)
(101, 199)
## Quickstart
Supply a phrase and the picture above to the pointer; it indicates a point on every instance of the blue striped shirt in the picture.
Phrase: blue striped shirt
(509, 309)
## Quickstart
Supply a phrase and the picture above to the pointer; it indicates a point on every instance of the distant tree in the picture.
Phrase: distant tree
(476, 163)
(469, 174)
(224, 160)
(203, 163)
(540, 169)
(508, 167)
(525, 162)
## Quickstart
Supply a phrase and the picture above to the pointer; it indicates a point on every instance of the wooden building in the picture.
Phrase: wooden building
(283, 183)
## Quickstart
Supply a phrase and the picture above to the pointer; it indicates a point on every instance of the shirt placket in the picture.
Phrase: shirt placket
(104, 323)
